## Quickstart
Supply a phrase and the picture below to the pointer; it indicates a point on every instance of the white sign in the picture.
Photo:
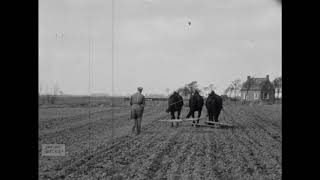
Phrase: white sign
(53, 150)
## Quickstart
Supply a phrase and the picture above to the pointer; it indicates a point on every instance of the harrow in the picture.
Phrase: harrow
(206, 123)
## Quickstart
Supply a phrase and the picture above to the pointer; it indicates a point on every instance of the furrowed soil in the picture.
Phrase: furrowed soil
(95, 150)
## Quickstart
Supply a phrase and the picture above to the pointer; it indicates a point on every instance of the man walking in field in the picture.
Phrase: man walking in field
(137, 102)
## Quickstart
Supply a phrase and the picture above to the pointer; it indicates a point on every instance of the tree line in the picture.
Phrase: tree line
(231, 91)
(49, 95)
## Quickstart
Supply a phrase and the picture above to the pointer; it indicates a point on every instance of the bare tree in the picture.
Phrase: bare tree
(206, 90)
(47, 89)
(52, 98)
(167, 91)
(193, 86)
(56, 89)
(236, 85)
(226, 91)
(209, 88)
(184, 91)
(41, 98)
(277, 84)
(40, 88)
(212, 87)
(189, 89)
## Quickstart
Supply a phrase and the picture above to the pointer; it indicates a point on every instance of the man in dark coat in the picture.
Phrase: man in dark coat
(214, 106)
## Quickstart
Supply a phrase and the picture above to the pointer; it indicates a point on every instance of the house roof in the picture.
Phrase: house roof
(256, 84)
(278, 84)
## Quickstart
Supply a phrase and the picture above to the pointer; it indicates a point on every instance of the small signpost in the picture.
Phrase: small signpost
(53, 150)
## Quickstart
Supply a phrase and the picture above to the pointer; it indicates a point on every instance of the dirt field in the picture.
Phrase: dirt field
(251, 150)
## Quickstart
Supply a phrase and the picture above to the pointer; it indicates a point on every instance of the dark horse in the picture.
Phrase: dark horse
(175, 104)
(214, 106)
(195, 104)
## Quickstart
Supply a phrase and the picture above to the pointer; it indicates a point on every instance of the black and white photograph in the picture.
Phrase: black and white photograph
(159, 89)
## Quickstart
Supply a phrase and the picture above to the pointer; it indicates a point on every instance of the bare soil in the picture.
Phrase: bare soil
(95, 150)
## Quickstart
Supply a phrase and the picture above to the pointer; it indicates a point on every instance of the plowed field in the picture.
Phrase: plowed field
(250, 150)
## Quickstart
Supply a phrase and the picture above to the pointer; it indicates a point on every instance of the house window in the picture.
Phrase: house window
(256, 96)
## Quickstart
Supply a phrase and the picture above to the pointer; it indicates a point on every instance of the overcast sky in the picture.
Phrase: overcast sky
(154, 45)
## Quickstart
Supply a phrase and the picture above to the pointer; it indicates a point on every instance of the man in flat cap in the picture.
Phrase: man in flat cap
(137, 102)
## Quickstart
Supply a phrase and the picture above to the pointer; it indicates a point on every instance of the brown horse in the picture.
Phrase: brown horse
(175, 104)
(195, 103)
(214, 106)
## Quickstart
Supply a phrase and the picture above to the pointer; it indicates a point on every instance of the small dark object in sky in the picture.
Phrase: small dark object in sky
(189, 23)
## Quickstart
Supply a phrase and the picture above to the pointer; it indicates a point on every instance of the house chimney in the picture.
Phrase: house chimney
(268, 77)
(248, 77)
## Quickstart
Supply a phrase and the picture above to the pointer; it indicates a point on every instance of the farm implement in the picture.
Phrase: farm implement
(213, 124)
(206, 123)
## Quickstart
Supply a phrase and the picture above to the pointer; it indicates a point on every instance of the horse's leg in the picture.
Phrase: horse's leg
(210, 116)
(216, 117)
(172, 117)
(189, 113)
(192, 115)
(199, 115)
(179, 112)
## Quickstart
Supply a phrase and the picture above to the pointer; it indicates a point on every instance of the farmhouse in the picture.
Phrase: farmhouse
(258, 89)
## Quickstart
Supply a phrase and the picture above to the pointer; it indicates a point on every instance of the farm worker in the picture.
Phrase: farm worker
(137, 102)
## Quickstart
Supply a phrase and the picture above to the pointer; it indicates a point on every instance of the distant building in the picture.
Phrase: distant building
(258, 89)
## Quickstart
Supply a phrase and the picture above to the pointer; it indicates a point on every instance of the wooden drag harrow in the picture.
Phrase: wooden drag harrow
(207, 123)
